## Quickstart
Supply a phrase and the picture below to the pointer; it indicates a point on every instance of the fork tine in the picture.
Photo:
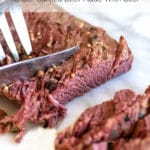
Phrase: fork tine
(2, 54)
(20, 25)
(8, 36)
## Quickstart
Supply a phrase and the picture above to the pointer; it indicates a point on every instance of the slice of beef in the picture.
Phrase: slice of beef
(108, 122)
(138, 139)
(97, 115)
(43, 96)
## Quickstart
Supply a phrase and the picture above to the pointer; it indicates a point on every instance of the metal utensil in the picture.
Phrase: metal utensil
(18, 19)
(25, 69)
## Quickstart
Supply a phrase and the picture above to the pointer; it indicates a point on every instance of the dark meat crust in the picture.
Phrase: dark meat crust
(119, 124)
(42, 97)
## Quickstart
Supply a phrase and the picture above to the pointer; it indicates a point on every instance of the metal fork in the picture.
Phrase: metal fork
(16, 14)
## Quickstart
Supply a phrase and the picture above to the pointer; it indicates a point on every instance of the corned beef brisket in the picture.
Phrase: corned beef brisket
(42, 98)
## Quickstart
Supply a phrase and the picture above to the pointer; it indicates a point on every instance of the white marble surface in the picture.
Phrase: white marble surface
(131, 20)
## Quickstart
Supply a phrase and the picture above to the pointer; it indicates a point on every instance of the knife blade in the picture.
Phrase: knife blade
(25, 69)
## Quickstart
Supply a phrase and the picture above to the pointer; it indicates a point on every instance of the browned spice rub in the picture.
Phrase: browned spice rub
(43, 96)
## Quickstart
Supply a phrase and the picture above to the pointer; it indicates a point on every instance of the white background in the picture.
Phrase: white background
(130, 19)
